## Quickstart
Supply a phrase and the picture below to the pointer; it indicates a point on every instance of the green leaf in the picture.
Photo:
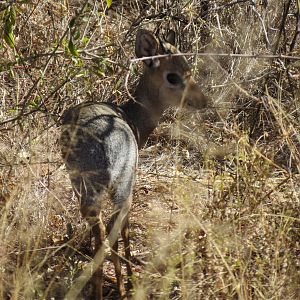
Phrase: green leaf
(12, 16)
(9, 23)
(108, 3)
(9, 38)
(85, 40)
(72, 48)
(35, 102)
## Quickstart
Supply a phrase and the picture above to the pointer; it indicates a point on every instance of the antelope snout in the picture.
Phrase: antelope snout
(195, 99)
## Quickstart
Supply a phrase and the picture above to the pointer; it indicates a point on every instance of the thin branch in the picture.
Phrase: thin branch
(263, 25)
(210, 54)
(227, 5)
(38, 108)
(297, 31)
(282, 25)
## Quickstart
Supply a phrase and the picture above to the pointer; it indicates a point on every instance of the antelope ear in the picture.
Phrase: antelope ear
(146, 44)
(171, 37)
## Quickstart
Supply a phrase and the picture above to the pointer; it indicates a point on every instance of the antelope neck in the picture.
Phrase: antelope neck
(144, 110)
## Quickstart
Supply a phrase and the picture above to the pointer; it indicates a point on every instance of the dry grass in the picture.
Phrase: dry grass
(216, 205)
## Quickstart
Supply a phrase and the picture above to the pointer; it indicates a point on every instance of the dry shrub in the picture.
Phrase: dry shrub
(216, 205)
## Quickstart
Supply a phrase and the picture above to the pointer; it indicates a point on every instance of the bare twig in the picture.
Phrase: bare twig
(263, 25)
(297, 30)
(282, 25)
(38, 108)
(232, 55)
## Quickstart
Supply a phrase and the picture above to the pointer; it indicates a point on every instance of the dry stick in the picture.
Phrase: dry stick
(297, 31)
(263, 25)
(20, 115)
(226, 5)
(271, 191)
(233, 3)
(56, 53)
(282, 25)
(232, 55)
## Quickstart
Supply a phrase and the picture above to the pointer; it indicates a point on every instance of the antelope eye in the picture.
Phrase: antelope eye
(174, 79)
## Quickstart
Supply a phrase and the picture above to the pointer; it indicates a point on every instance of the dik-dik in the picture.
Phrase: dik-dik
(100, 142)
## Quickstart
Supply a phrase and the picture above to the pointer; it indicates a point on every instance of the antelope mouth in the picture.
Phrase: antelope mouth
(191, 106)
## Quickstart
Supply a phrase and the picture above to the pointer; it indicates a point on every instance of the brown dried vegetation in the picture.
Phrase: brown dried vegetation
(216, 211)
